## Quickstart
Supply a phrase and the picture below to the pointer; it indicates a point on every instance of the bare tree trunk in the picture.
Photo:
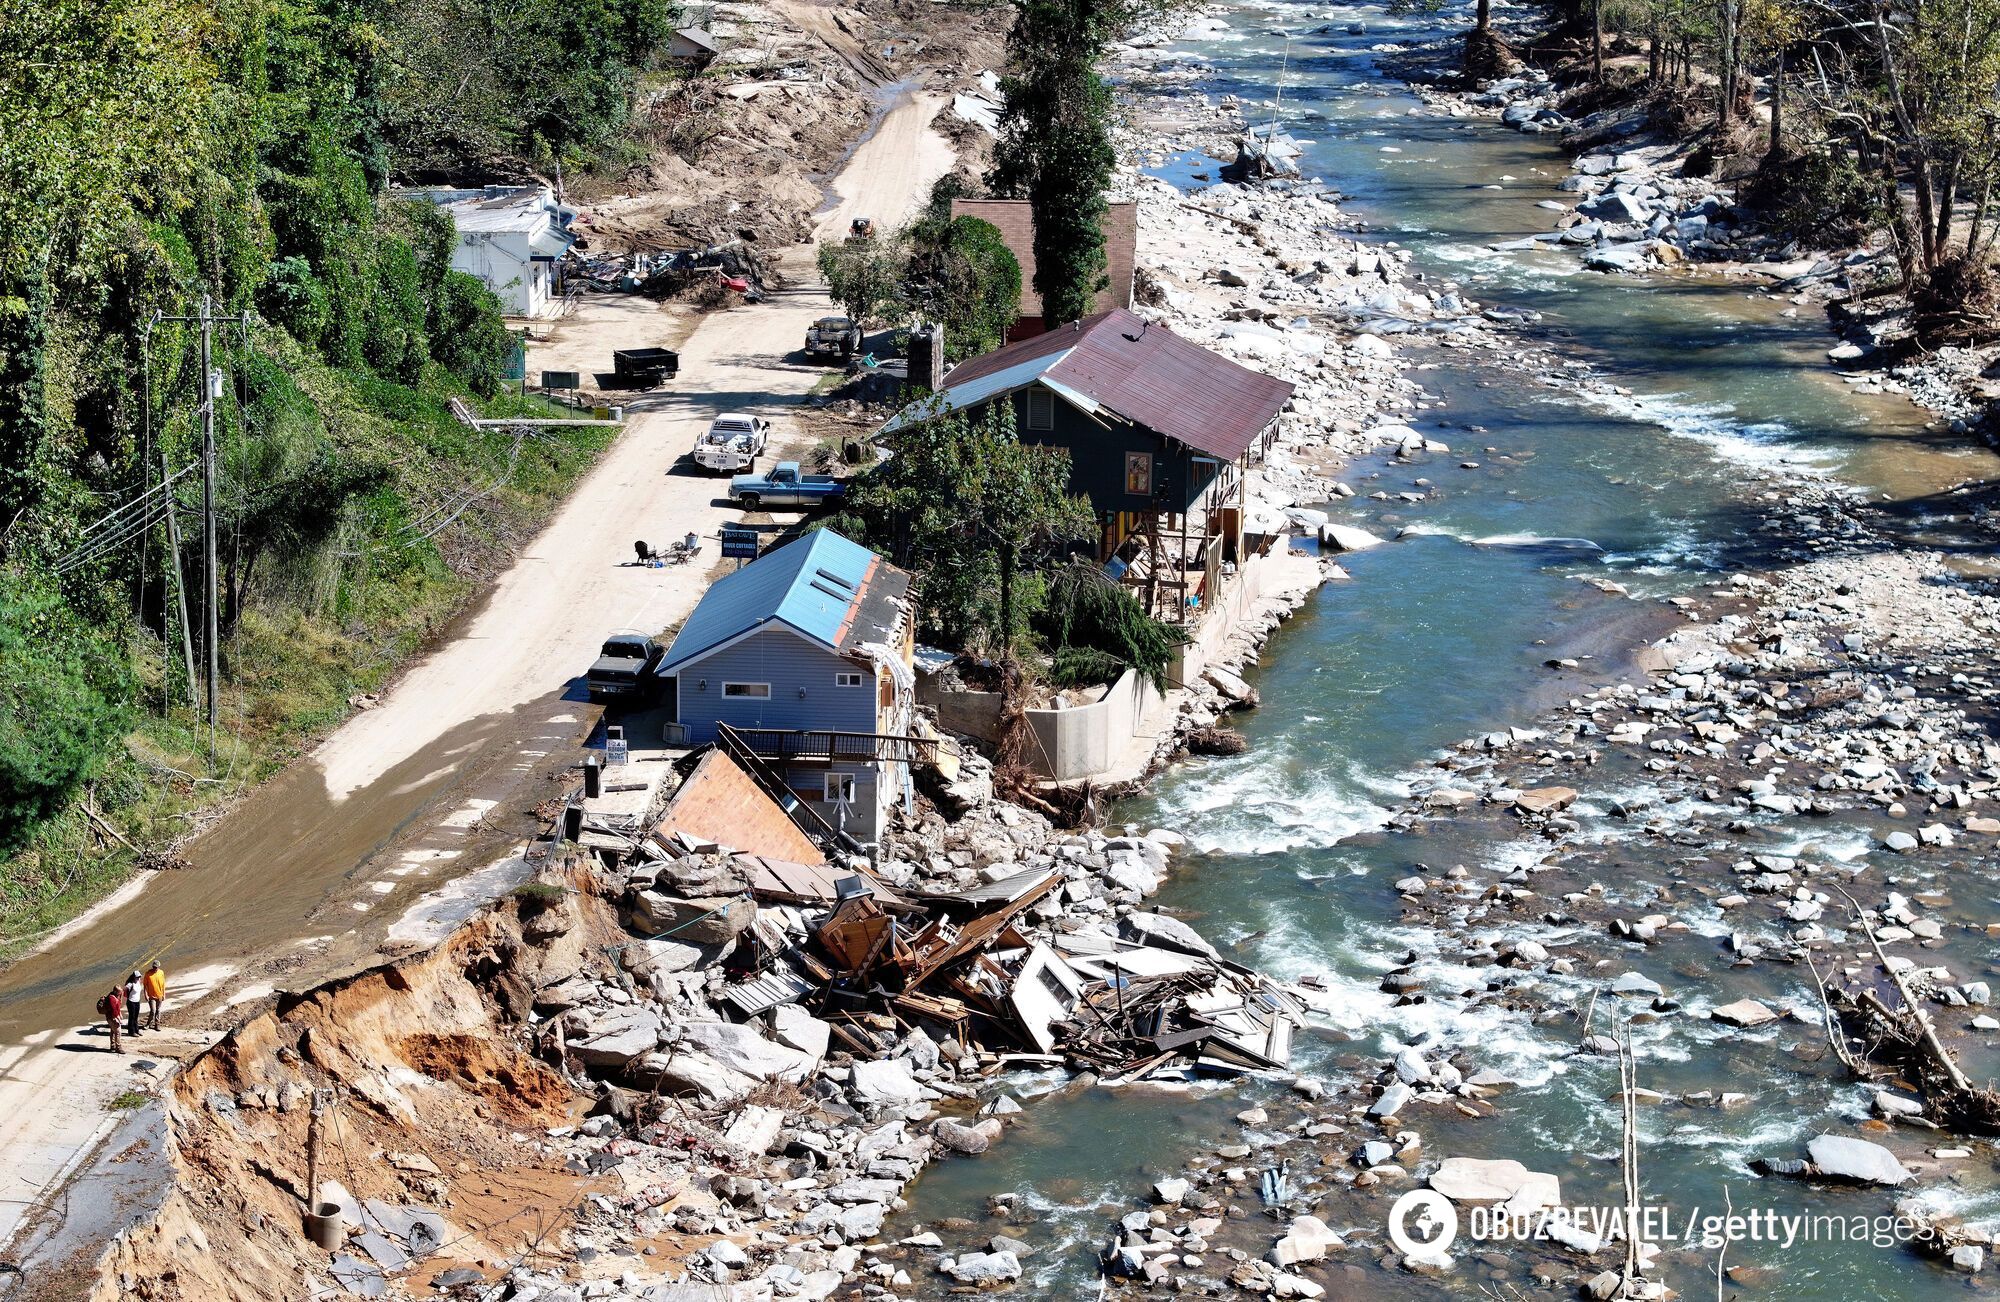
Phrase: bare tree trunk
(1597, 42)
(1975, 234)
(1485, 16)
(1777, 147)
(1947, 200)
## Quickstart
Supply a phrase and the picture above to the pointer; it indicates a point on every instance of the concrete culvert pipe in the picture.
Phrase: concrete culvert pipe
(323, 1226)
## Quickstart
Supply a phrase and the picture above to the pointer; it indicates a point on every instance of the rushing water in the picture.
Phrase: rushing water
(1443, 635)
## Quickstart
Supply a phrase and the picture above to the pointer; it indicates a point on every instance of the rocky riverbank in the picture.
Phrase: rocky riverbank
(1647, 205)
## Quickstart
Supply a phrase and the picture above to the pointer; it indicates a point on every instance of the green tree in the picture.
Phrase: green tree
(863, 274)
(968, 505)
(1055, 145)
(64, 693)
(959, 271)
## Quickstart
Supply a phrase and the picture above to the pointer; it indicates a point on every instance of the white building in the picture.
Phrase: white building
(510, 236)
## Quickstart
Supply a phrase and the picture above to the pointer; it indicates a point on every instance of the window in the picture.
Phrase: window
(747, 691)
(1139, 474)
(847, 678)
(839, 788)
(1041, 409)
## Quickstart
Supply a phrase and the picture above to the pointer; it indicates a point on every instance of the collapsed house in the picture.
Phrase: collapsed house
(744, 898)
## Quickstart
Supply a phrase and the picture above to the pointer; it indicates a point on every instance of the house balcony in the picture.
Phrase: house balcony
(796, 746)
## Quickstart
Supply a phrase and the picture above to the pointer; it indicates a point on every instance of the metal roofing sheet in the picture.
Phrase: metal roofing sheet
(973, 392)
(1145, 373)
(789, 585)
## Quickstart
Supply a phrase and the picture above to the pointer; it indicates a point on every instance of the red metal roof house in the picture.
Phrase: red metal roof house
(1160, 433)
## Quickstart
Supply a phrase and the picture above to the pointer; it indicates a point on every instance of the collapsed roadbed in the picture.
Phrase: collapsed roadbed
(668, 1064)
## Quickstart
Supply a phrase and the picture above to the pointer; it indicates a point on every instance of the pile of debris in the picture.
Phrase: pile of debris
(1000, 970)
(734, 265)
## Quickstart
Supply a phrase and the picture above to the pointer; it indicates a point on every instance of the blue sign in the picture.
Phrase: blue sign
(739, 542)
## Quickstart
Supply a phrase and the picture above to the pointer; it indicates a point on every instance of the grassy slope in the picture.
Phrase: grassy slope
(289, 671)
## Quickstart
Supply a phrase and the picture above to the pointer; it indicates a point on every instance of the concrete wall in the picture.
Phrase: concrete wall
(1087, 740)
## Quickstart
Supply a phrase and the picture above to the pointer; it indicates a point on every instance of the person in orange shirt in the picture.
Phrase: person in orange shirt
(155, 984)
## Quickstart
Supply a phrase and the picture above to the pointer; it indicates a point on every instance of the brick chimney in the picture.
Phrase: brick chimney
(927, 356)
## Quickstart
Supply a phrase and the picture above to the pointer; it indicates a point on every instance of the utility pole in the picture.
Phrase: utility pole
(180, 593)
(211, 389)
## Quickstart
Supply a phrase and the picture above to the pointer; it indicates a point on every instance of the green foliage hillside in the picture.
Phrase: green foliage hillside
(153, 152)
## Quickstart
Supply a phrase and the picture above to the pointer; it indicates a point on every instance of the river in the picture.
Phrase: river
(1442, 636)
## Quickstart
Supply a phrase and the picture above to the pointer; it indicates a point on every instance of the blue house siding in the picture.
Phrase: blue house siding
(791, 665)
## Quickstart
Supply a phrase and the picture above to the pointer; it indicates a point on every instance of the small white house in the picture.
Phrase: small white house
(511, 237)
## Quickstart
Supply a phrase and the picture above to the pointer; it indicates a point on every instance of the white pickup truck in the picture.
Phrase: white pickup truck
(732, 443)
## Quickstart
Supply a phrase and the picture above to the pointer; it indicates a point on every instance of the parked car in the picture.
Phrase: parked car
(785, 486)
(733, 442)
(624, 667)
(833, 336)
(645, 368)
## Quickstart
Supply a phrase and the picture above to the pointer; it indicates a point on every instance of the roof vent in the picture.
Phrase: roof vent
(834, 579)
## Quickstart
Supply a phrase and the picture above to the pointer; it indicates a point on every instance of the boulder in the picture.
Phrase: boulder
(1744, 1012)
(614, 1038)
(699, 921)
(1483, 1181)
(687, 1072)
(887, 1083)
(1545, 800)
(1169, 933)
(1839, 1157)
(1346, 538)
(958, 1137)
(983, 1267)
(742, 1048)
(1617, 206)
(1306, 1239)
(1392, 1101)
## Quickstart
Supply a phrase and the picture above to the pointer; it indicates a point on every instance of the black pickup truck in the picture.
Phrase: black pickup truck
(624, 668)
(645, 368)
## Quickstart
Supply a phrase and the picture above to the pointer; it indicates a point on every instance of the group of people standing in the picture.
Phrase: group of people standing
(122, 1007)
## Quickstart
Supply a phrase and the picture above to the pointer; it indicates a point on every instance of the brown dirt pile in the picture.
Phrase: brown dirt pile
(437, 1107)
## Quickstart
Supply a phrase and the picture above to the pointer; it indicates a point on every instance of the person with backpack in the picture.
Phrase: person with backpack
(156, 994)
(112, 1008)
(132, 1005)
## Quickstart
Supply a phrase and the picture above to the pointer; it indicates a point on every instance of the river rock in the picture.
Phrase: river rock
(1840, 1157)
(959, 1138)
(1744, 1012)
(1487, 1181)
(1545, 800)
(983, 1267)
(1617, 206)
(1347, 538)
(1634, 983)
(1392, 1101)
(1306, 1239)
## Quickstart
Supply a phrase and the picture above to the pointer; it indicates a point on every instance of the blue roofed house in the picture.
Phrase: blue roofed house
(802, 658)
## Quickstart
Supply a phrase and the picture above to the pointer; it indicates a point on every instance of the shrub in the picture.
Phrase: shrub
(468, 338)
(1818, 195)
(65, 693)
(293, 299)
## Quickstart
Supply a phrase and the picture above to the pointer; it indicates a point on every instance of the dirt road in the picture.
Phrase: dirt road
(297, 882)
